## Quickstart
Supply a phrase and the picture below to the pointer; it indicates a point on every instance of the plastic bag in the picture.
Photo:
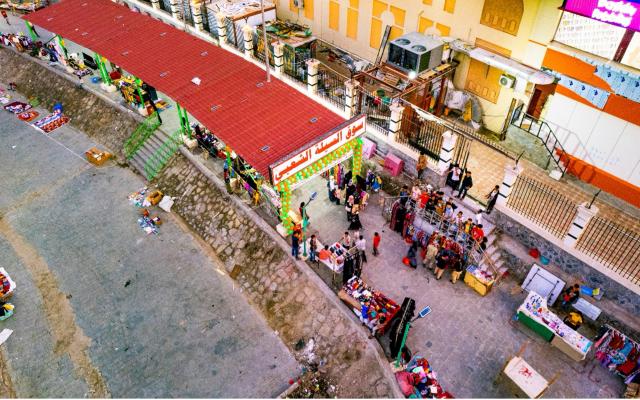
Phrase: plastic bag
(166, 203)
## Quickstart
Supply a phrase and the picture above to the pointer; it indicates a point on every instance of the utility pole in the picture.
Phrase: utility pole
(266, 45)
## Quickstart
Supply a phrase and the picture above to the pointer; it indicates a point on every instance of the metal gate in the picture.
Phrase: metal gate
(461, 152)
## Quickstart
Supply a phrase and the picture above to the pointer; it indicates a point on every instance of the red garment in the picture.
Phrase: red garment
(424, 197)
(376, 241)
(477, 233)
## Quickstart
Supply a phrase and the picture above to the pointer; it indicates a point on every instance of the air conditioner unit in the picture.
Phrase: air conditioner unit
(506, 81)
(415, 52)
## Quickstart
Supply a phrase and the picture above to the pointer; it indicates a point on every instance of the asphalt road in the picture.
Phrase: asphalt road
(101, 308)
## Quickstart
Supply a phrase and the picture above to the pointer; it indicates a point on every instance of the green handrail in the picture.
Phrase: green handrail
(154, 164)
(141, 134)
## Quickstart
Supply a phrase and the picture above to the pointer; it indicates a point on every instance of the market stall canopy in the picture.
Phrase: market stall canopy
(262, 122)
(504, 63)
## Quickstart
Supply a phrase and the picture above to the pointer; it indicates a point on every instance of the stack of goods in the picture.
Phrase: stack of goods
(535, 308)
(482, 274)
(6, 285)
(633, 391)
(51, 122)
(337, 255)
(619, 354)
(17, 107)
(28, 116)
(380, 308)
(418, 380)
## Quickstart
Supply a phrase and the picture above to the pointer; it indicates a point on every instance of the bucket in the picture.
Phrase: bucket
(544, 260)
(535, 253)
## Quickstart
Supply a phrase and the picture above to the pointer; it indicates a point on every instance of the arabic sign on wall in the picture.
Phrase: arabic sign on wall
(316, 151)
(624, 13)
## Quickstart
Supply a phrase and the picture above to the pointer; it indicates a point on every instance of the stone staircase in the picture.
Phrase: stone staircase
(494, 253)
(158, 144)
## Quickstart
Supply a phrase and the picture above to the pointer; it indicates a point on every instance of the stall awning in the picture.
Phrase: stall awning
(506, 64)
(262, 122)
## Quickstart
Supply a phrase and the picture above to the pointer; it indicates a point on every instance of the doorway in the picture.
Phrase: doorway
(539, 98)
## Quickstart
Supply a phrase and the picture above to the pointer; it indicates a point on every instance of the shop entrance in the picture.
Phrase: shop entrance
(327, 219)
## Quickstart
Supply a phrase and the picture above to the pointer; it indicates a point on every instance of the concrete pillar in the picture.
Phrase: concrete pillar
(511, 173)
(196, 7)
(175, 9)
(221, 21)
(580, 222)
(247, 33)
(395, 120)
(155, 4)
(449, 140)
(278, 58)
(312, 75)
(351, 96)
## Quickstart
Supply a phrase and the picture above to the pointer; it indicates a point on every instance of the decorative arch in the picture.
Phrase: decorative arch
(503, 15)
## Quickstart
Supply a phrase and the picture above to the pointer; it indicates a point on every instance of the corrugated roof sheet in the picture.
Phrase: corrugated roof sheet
(247, 116)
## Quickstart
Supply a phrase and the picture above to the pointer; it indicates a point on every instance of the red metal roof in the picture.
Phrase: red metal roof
(249, 113)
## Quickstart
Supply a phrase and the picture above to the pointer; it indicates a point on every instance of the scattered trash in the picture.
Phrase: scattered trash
(4, 335)
(148, 225)
(166, 203)
(153, 198)
(137, 198)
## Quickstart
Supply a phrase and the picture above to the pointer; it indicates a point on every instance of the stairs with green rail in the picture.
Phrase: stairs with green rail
(149, 149)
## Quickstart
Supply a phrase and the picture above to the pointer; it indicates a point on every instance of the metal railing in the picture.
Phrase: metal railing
(542, 131)
(141, 134)
(543, 205)
(422, 135)
(614, 246)
(464, 130)
(331, 87)
(154, 164)
(377, 111)
(476, 255)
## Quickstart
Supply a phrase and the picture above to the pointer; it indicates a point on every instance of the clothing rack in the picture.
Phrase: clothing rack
(603, 354)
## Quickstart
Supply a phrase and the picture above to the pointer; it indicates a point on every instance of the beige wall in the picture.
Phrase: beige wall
(537, 27)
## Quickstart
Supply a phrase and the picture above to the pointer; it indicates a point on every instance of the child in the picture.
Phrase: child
(376, 243)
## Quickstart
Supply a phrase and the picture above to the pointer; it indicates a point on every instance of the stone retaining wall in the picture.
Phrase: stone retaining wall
(293, 304)
(624, 304)
(97, 118)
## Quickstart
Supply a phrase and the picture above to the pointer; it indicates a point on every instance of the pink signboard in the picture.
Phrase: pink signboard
(616, 12)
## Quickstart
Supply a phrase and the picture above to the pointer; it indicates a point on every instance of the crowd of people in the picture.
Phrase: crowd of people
(453, 239)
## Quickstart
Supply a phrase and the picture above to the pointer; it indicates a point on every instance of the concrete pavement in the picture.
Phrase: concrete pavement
(101, 308)
(467, 338)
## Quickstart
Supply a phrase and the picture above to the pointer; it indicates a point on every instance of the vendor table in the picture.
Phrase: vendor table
(535, 314)
(382, 304)
(335, 262)
(526, 380)
(474, 278)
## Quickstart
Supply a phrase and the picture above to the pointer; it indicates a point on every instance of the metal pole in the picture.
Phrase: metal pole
(404, 339)
(304, 231)
(266, 44)
(594, 198)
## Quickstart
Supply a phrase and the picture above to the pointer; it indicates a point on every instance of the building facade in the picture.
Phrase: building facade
(593, 116)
